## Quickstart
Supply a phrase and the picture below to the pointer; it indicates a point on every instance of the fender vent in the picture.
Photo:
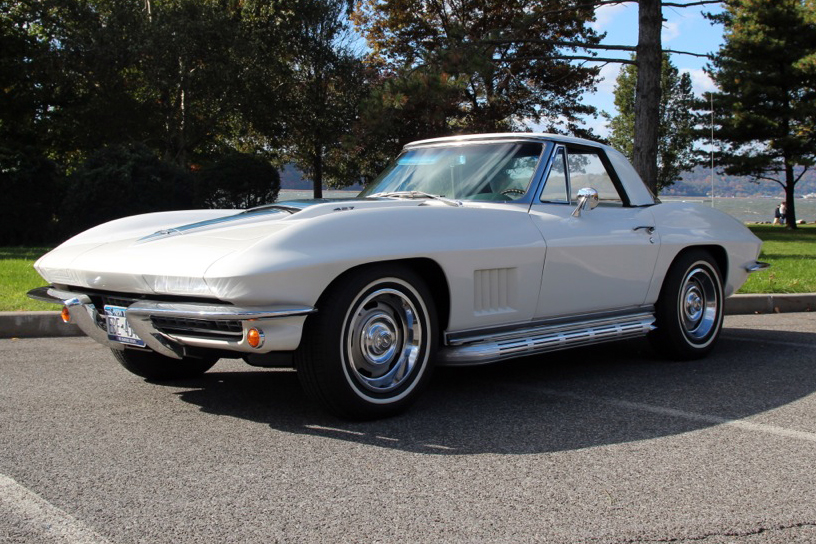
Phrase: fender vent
(494, 291)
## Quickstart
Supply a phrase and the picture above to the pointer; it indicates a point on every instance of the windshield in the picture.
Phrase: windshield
(475, 171)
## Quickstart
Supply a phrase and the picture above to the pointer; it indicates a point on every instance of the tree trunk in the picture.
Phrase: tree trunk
(317, 171)
(647, 91)
(790, 186)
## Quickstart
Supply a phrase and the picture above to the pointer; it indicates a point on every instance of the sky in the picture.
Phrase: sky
(685, 29)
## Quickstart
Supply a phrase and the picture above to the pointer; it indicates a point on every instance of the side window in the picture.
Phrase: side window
(555, 190)
(586, 169)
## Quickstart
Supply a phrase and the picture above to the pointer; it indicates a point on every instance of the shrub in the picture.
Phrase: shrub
(123, 180)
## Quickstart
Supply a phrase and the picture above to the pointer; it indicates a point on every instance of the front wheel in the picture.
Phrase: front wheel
(154, 367)
(368, 351)
(690, 308)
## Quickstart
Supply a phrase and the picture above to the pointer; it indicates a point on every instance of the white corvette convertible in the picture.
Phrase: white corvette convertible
(466, 250)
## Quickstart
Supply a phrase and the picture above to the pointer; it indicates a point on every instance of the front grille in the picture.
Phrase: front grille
(202, 328)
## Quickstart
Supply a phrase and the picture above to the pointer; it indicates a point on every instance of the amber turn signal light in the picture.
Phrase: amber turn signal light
(65, 314)
(255, 338)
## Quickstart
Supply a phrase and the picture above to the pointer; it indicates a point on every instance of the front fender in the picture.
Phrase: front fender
(492, 258)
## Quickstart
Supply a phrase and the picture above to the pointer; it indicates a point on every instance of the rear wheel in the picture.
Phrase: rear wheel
(368, 351)
(152, 366)
(690, 308)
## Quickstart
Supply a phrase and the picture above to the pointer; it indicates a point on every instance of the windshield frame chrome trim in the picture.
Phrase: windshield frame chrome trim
(535, 180)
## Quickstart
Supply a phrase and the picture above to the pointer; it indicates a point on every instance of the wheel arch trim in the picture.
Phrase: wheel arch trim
(428, 269)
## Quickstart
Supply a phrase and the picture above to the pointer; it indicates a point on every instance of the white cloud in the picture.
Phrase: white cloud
(700, 81)
(670, 31)
(598, 125)
(609, 73)
(605, 14)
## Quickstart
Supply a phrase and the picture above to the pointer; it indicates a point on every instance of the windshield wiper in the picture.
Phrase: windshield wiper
(417, 194)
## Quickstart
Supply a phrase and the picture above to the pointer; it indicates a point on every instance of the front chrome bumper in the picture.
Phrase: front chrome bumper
(170, 328)
(756, 266)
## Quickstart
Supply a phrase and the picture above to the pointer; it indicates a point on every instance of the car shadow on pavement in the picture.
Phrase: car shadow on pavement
(587, 397)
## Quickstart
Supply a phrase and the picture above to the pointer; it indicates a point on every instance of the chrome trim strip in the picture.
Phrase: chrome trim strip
(756, 266)
(246, 214)
(521, 342)
(195, 310)
(534, 186)
(524, 328)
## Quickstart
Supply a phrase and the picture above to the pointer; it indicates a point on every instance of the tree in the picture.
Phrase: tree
(329, 81)
(675, 131)
(454, 46)
(766, 108)
(24, 73)
(187, 78)
(413, 105)
(239, 180)
(648, 89)
(30, 185)
(123, 180)
(403, 27)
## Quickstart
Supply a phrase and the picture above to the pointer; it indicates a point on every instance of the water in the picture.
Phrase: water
(748, 210)
(297, 194)
(754, 210)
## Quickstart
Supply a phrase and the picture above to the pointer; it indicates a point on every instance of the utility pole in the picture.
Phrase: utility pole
(711, 95)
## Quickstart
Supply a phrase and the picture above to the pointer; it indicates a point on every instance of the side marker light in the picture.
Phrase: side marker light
(255, 338)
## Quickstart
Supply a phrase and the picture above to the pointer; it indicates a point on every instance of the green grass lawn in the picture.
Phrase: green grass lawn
(792, 255)
(17, 277)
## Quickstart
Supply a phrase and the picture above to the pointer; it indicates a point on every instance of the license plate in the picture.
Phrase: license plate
(118, 327)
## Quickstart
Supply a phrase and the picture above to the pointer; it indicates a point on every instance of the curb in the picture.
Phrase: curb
(49, 324)
(35, 325)
(770, 303)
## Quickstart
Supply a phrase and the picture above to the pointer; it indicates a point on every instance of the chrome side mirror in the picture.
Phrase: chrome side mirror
(587, 197)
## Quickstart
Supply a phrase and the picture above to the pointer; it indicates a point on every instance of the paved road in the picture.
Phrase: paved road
(597, 445)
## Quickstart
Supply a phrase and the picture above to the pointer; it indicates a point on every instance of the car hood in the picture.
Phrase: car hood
(170, 252)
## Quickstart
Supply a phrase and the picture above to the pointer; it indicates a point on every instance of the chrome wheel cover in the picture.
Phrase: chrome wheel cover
(383, 337)
(699, 304)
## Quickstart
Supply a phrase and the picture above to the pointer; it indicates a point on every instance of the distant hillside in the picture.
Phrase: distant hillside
(292, 178)
(694, 183)
(698, 183)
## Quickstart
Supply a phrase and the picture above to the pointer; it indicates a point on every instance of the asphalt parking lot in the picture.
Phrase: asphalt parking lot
(607, 444)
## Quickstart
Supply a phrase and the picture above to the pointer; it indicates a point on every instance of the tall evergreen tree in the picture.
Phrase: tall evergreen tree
(675, 134)
(453, 49)
(766, 107)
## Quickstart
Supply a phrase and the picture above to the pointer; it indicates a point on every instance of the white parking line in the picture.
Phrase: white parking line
(671, 412)
(41, 521)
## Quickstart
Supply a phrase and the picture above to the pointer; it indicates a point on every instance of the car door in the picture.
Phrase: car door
(601, 259)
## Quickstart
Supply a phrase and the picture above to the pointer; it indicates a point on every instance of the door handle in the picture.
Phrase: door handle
(647, 228)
